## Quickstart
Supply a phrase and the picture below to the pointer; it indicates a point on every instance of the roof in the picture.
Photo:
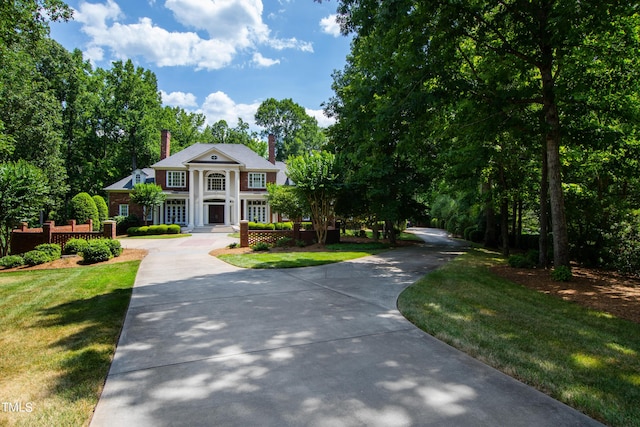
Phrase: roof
(238, 153)
(126, 183)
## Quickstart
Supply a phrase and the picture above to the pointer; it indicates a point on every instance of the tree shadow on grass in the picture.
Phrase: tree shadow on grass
(94, 324)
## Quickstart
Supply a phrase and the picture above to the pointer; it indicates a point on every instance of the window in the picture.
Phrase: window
(257, 210)
(216, 182)
(257, 180)
(176, 179)
(138, 179)
(123, 210)
(175, 211)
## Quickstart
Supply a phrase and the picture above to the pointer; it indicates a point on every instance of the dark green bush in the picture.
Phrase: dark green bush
(34, 257)
(261, 226)
(52, 250)
(476, 236)
(301, 243)
(233, 245)
(260, 246)
(123, 223)
(74, 246)
(284, 242)
(83, 208)
(561, 274)
(103, 209)
(11, 261)
(97, 251)
(306, 225)
(520, 261)
(114, 246)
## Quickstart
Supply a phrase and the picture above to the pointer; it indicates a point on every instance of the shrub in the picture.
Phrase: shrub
(561, 273)
(97, 251)
(476, 236)
(123, 223)
(533, 255)
(83, 208)
(74, 246)
(284, 225)
(103, 209)
(260, 246)
(11, 261)
(34, 257)
(261, 226)
(301, 243)
(520, 261)
(284, 242)
(52, 250)
(233, 245)
(173, 229)
(114, 246)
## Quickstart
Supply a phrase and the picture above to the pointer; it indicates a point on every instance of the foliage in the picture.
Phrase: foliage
(295, 131)
(261, 226)
(284, 242)
(103, 209)
(24, 191)
(520, 261)
(154, 230)
(233, 245)
(148, 196)
(34, 257)
(623, 244)
(260, 246)
(561, 273)
(316, 180)
(287, 201)
(83, 208)
(114, 246)
(11, 261)
(96, 251)
(74, 246)
(52, 250)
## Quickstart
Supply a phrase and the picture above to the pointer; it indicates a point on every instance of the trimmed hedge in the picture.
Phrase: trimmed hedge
(11, 261)
(74, 246)
(97, 251)
(52, 250)
(83, 208)
(154, 230)
(114, 246)
(34, 257)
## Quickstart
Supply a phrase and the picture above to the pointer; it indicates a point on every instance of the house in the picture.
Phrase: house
(205, 184)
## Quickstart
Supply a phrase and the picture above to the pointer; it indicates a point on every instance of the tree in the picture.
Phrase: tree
(148, 196)
(295, 131)
(287, 201)
(316, 181)
(83, 208)
(24, 191)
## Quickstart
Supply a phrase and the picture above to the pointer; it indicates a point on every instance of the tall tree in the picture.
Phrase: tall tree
(148, 196)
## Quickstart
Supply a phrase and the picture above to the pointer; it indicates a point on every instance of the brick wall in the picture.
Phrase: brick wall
(24, 239)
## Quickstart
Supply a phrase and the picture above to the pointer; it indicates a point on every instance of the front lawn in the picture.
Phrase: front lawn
(582, 357)
(59, 332)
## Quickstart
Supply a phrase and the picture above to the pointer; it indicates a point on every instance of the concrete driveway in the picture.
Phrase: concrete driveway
(207, 344)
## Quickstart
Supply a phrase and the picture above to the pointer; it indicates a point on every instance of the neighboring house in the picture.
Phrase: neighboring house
(205, 184)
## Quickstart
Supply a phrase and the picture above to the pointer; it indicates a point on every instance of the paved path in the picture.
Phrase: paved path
(207, 344)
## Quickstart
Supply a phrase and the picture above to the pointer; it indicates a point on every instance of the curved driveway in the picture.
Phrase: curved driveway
(208, 344)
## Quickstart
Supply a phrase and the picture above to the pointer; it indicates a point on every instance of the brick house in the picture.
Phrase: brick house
(205, 184)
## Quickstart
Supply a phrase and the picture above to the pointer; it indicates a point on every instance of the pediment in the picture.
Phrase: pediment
(213, 156)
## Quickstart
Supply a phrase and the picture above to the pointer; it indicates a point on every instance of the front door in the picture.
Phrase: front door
(216, 214)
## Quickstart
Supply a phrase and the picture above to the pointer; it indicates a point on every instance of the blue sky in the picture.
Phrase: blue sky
(217, 57)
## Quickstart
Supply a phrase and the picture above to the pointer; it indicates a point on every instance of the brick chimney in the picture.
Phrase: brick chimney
(165, 144)
(272, 148)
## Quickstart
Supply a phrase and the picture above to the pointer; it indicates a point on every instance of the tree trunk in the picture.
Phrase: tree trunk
(504, 225)
(543, 244)
(552, 121)
(490, 230)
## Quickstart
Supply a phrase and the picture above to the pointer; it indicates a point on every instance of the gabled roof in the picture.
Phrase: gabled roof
(238, 153)
(126, 183)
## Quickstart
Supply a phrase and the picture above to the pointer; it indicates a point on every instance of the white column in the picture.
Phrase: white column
(191, 207)
(227, 189)
(200, 206)
(236, 180)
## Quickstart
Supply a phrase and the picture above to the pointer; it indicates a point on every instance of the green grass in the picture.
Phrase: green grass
(584, 358)
(58, 336)
(334, 253)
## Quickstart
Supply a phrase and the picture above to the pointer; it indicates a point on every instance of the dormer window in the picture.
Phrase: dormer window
(137, 178)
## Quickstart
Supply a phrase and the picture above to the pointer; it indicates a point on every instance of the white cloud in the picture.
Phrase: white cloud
(179, 99)
(219, 106)
(323, 121)
(261, 61)
(232, 26)
(330, 25)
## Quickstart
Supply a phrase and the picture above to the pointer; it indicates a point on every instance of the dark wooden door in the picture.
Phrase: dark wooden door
(216, 214)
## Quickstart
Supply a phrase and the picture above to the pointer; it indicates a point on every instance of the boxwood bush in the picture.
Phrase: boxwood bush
(114, 246)
(97, 251)
(52, 250)
(153, 230)
(74, 246)
(35, 257)
(11, 261)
